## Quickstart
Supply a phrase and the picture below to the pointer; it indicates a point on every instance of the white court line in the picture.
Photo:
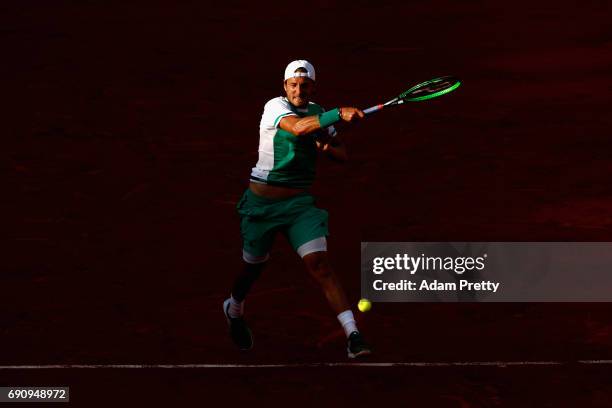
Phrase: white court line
(309, 365)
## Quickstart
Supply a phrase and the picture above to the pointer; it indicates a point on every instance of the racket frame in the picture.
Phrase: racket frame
(402, 98)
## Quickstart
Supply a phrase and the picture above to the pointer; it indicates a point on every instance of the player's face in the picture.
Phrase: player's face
(299, 90)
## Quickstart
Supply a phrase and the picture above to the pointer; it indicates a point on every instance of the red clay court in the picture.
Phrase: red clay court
(129, 132)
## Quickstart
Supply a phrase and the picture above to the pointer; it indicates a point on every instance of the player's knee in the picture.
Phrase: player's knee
(319, 266)
(324, 273)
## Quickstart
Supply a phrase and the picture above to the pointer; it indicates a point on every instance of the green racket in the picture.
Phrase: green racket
(421, 92)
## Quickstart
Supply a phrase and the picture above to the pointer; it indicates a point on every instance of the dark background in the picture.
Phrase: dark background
(129, 130)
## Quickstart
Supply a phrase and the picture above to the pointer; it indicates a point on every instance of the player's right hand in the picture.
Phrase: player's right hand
(350, 114)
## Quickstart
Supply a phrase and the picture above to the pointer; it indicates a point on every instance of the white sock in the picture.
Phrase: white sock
(236, 309)
(347, 320)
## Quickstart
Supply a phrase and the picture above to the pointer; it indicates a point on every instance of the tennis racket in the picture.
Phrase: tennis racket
(421, 92)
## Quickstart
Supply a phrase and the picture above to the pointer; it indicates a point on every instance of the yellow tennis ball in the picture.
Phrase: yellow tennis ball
(364, 305)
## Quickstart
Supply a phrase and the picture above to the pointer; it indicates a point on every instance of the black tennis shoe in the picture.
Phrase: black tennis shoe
(357, 347)
(239, 331)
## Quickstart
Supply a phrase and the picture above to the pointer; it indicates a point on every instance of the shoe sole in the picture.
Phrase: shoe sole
(229, 323)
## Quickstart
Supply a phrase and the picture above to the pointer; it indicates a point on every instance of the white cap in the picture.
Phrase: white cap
(290, 70)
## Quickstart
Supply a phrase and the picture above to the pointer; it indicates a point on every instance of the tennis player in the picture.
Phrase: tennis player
(292, 132)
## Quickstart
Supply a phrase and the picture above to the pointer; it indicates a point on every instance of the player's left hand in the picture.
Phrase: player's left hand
(322, 139)
(322, 146)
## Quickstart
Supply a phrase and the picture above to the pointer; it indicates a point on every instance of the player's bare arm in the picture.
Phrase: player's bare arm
(303, 126)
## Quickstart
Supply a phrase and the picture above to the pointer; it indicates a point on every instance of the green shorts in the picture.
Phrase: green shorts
(296, 217)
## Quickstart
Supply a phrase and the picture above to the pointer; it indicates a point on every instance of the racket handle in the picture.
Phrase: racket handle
(373, 109)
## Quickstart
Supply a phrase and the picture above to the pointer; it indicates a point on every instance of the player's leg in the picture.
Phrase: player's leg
(317, 264)
(251, 271)
(258, 235)
(233, 307)
(307, 235)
